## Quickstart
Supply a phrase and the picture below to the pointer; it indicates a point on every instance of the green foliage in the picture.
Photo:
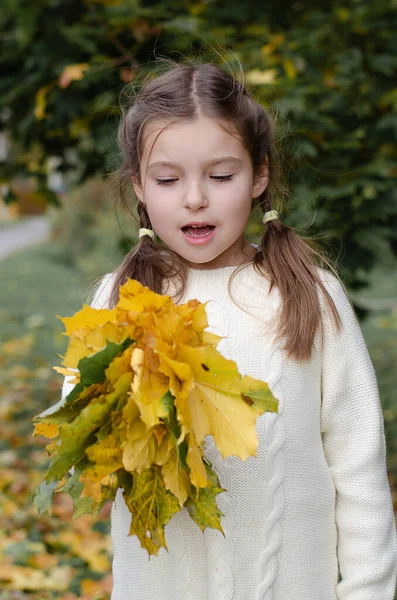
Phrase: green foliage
(92, 368)
(91, 238)
(327, 70)
(380, 332)
(201, 501)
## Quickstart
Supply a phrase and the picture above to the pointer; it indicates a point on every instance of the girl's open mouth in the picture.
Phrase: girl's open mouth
(198, 231)
(198, 234)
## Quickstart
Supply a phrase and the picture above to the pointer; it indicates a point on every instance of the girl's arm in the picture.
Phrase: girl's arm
(354, 444)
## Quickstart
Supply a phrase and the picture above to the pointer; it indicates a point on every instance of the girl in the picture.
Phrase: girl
(310, 517)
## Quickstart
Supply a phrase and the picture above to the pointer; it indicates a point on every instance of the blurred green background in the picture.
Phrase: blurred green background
(326, 72)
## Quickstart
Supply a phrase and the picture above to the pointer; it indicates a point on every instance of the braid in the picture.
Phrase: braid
(144, 221)
(266, 204)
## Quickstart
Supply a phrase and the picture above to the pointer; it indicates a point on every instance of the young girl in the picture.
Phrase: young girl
(310, 517)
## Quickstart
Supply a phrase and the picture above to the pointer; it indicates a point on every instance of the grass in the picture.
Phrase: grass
(36, 285)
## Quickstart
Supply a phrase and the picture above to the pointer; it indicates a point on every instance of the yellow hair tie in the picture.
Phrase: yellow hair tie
(144, 231)
(269, 216)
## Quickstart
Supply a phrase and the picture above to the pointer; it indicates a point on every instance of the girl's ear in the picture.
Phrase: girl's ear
(137, 188)
(261, 179)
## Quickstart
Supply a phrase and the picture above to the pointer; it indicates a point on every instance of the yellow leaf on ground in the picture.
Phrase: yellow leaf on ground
(98, 588)
(87, 544)
(25, 578)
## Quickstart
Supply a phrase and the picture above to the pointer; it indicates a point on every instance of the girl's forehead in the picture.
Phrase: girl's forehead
(170, 136)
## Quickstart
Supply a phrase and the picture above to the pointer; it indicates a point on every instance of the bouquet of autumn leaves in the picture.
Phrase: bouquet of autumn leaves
(149, 386)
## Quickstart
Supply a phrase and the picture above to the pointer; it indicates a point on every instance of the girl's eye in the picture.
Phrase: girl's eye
(218, 178)
(165, 181)
(222, 177)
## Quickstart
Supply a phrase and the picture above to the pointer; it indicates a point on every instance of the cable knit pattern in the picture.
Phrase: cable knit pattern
(272, 533)
(180, 567)
(220, 550)
(314, 500)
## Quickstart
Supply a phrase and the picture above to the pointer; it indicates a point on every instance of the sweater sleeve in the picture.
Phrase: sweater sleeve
(352, 430)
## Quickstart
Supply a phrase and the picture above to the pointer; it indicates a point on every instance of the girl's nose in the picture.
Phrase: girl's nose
(195, 197)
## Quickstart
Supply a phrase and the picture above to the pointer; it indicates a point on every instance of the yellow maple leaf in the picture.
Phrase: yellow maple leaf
(159, 432)
(138, 298)
(106, 454)
(86, 343)
(67, 373)
(149, 385)
(87, 318)
(176, 478)
(214, 406)
(49, 430)
(119, 365)
(198, 474)
(152, 506)
(139, 448)
(164, 450)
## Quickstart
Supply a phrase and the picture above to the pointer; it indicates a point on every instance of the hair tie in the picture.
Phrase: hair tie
(269, 216)
(144, 231)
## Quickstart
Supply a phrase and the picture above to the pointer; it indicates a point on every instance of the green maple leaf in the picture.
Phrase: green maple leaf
(42, 496)
(201, 503)
(92, 368)
(152, 506)
(76, 436)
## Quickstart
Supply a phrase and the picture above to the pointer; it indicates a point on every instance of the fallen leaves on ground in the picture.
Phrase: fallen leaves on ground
(42, 557)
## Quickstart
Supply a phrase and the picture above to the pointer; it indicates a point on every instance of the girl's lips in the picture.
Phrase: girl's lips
(199, 239)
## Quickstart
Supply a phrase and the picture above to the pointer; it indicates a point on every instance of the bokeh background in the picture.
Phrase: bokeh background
(327, 71)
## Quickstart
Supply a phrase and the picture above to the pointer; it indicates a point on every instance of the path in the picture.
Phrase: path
(16, 237)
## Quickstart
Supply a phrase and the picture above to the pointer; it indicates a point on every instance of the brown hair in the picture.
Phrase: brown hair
(287, 259)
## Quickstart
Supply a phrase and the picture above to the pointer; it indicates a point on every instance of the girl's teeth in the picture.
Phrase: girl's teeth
(198, 231)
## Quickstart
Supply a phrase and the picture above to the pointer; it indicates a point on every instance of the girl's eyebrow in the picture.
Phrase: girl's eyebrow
(207, 163)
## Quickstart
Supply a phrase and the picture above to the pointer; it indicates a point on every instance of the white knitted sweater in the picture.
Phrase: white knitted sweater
(316, 497)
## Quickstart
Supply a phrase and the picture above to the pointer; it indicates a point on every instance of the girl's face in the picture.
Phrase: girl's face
(199, 174)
